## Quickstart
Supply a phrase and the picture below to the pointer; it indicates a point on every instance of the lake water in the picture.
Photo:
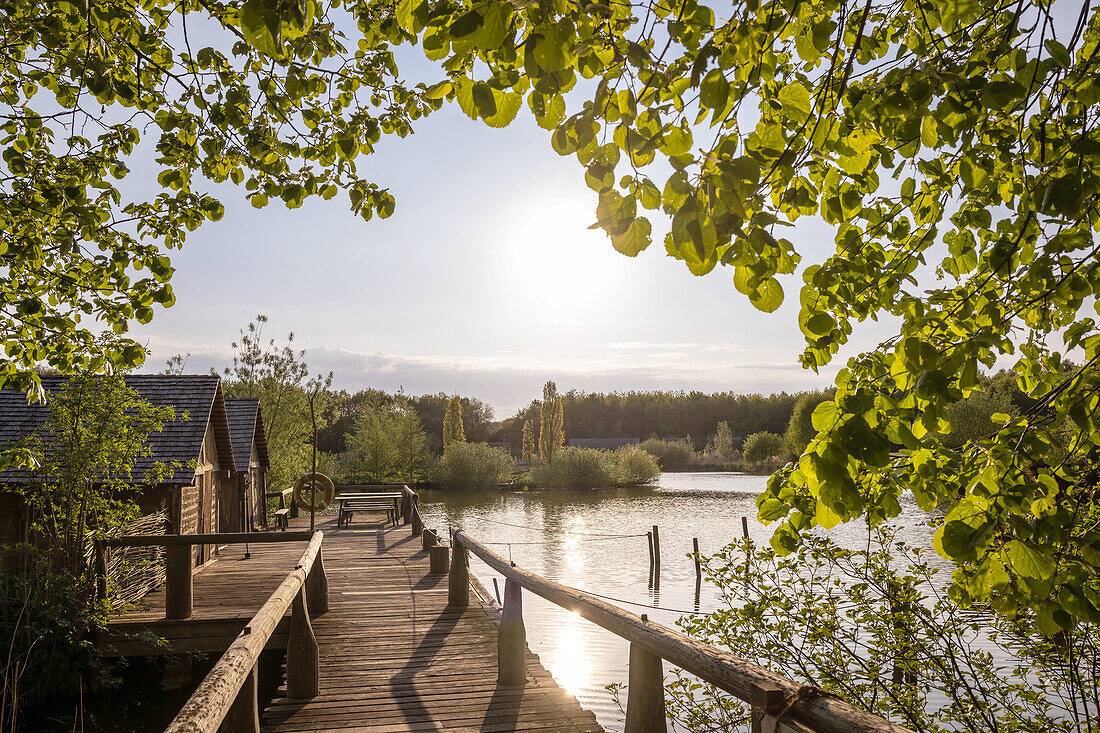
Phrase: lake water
(557, 535)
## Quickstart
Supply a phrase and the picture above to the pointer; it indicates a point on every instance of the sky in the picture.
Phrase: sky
(485, 282)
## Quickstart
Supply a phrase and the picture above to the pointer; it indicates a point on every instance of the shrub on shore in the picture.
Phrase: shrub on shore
(670, 455)
(586, 468)
(474, 466)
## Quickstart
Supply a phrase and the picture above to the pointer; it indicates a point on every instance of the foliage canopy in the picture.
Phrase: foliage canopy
(951, 146)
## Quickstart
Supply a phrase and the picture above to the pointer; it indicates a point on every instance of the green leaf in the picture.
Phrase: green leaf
(262, 26)
(714, 90)
(1029, 560)
(635, 239)
(795, 99)
(768, 296)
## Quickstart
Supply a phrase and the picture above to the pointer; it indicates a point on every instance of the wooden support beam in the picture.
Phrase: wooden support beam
(458, 585)
(303, 659)
(317, 585)
(178, 594)
(244, 713)
(417, 522)
(438, 558)
(429, 539)
(512, 638)
(212, 538)
(645, 702)
(100, 570)
(656, 548)
(764, 698)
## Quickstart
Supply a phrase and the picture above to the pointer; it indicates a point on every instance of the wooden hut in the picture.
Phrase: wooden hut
(197, 442)
(247, 497)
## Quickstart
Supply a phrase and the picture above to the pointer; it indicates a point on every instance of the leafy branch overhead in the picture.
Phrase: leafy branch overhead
(270, 96)
(953, 149)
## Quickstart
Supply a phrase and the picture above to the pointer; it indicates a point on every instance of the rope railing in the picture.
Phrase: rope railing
(778, 704)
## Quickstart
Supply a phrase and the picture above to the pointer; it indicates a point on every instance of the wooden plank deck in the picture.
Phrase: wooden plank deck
(393, 656)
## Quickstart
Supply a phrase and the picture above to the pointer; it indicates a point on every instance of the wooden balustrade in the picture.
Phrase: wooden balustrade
(178, 570)
(226, 699)
(650, 643)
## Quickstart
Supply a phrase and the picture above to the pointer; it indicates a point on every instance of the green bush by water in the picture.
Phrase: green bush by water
(474, 466)
(585, 468)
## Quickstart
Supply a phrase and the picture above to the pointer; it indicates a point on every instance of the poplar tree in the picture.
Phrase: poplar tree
(452, 424)
(528, 451)
(551, 422)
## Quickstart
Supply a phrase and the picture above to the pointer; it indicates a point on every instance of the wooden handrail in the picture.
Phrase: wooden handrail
(217, 694)
(213, 538)
(730, 673)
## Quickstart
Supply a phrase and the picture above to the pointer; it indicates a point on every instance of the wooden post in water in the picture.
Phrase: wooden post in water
(303, 662)
(698, 566)
(438, 557)
(178, 595)
(244, 714)
(317, 586)
(512, 638)
(657, 548)
(745, 527)
(764, 699)
(458, 585)
(645, 702)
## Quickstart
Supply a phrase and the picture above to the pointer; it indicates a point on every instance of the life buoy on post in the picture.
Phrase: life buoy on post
(313, 480)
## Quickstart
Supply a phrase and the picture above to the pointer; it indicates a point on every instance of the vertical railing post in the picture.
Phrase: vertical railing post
(406, 505)
(178, 594)
(429, 539)
(317, 585)
(645, 702)
(100, 569)
(303, 663)
(458, 586)
(765, 698)
(244, 714)
(438, 557)
(417, 522)
(512, 638)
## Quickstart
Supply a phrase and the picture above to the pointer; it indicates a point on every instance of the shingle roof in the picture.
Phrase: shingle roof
(246, 426)
(199, 396)
(603, 443)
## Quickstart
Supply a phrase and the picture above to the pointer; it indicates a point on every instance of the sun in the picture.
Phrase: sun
(558, 267)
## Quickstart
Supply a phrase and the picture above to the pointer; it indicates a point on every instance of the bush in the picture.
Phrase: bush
(669, 454)
(634, 466)
(585, 468)
(474, 466)
(760, 447)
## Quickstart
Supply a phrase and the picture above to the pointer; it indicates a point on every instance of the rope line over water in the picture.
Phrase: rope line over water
(543, 529)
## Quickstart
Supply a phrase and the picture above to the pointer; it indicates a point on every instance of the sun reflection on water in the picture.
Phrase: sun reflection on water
(569, 661)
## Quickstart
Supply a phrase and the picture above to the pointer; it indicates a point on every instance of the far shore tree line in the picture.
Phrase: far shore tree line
(373, 436)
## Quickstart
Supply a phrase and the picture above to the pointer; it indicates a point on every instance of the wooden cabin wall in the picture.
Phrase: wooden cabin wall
(257, 486)
(12, 523)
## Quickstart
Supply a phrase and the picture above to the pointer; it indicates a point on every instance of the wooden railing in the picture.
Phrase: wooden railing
(778, 704)
(227, 698)
(178, 589)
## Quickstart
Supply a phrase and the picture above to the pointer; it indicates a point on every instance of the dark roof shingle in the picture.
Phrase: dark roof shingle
(196, 396)
(246, 426)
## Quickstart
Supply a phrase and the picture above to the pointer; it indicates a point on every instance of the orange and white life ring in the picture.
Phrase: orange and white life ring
(313, 480)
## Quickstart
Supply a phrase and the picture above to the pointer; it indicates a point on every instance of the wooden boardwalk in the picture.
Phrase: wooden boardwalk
(393, 656)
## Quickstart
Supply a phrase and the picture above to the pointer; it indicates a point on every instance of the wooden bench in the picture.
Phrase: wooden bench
(349, 506)
(282, 519)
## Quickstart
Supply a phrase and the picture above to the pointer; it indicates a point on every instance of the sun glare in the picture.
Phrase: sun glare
(558, 267)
